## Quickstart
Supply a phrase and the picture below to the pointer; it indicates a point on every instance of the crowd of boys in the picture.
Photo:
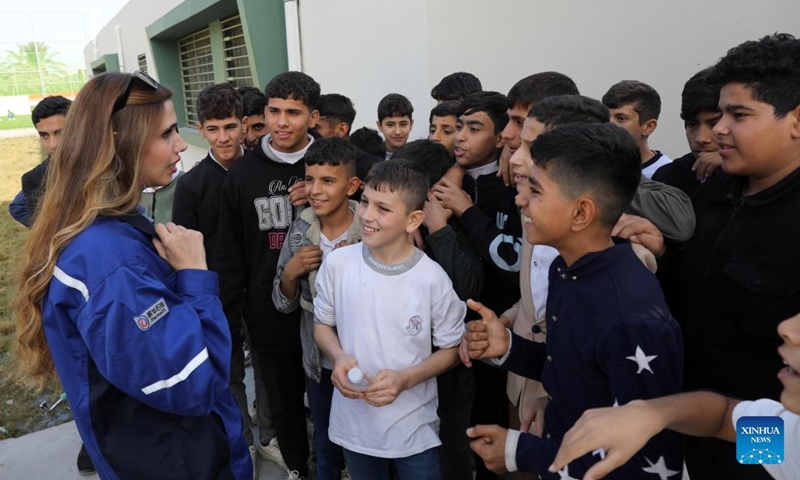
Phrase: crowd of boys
(368, 274)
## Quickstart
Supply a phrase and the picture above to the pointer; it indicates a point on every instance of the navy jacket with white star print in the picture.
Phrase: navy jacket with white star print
(610, 339)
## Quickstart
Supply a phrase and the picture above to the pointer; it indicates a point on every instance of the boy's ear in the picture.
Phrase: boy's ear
(794, 114)
(411, 124)
(498, 143)
(353, 185)
(584, 213)
(314, 118)
(378, 123)
(199, 127)
(649, 127)
(340, 130)
(415, 219)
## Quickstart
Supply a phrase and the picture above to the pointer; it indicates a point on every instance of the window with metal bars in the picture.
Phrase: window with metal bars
(142, 61)
(234, 48)
(197, 69)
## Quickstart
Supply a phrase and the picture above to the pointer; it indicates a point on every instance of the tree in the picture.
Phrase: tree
(33, 56)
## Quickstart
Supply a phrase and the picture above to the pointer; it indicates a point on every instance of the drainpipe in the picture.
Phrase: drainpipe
(292, 18)
(118, 32)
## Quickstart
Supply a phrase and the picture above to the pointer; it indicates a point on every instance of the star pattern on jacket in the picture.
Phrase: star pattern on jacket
(563, 474)
(642, 360)
(660, 469)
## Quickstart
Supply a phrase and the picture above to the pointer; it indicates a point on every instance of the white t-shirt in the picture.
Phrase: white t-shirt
(541, 259)
(291, 158)
(387, 317)
(658, 161)
(790, 468)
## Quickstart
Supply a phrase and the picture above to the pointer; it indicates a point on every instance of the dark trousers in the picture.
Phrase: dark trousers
(456, 394)
(329, 455)
(490, 407)
(284, 380)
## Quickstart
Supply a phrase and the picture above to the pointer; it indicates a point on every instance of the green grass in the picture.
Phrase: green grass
(19, 405)
(20, 121)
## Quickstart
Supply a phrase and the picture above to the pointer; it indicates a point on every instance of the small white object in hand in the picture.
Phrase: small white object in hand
(356, 377)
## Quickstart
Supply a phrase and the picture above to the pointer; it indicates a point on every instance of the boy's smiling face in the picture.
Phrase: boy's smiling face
(288, 121)
(328, 188)
(789, 330)
(548, 210)
(753, 142)
(384, 218)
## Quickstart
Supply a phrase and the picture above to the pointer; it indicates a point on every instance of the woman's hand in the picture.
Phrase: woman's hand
(180, 247)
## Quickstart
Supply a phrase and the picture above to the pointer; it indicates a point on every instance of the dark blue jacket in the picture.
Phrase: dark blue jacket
(143, 353)
(602, 313)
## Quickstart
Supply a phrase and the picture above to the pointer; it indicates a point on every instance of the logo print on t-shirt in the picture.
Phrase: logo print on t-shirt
(414, 325)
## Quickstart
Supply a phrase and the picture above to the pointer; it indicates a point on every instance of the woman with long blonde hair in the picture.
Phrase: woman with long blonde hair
(127, 314)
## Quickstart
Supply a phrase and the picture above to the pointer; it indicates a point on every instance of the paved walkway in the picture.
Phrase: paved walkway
(17, 132)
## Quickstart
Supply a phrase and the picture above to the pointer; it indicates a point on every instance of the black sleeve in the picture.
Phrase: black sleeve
(229, 252)
(33, 186)
(184, 204)
(450, 248)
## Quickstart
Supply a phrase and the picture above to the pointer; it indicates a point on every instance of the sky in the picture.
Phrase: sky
(65, 25)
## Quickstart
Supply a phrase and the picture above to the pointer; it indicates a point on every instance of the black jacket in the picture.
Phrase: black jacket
(738, 279)
(255, 214)
(196, 202)
(679, 174)
(495, 232)
(33, 186)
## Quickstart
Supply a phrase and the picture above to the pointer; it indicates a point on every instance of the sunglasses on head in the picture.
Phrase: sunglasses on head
(140, 76)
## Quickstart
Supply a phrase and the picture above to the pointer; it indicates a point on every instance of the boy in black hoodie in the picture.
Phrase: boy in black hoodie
(257, 205)
(492, 221)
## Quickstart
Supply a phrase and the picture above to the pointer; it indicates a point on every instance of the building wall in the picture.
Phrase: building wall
(365, 49)
(132, 20)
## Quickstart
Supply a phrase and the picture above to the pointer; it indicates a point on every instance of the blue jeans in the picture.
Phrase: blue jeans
(422, 466)
(329, 455)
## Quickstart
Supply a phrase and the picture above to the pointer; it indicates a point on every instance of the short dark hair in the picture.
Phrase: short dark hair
(561, 110)
(294, 86)
(642, 97)
(369, 140)
(218, 102)
(449, 108)
(337, 107)
(456, 86)
(699, 95)
(50, 106)
(493, 103)
(253, 101)
(534, 88)
(432, 158)
(394, 105)
(333, 151)
(769, 67)
(602, 158)
(400, 176)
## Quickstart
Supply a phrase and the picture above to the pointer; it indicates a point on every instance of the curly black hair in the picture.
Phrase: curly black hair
(769, 67)
(218, 102)
(49, 106)
(294, 86)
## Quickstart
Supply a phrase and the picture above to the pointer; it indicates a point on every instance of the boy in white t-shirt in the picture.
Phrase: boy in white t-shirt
(380, 306)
